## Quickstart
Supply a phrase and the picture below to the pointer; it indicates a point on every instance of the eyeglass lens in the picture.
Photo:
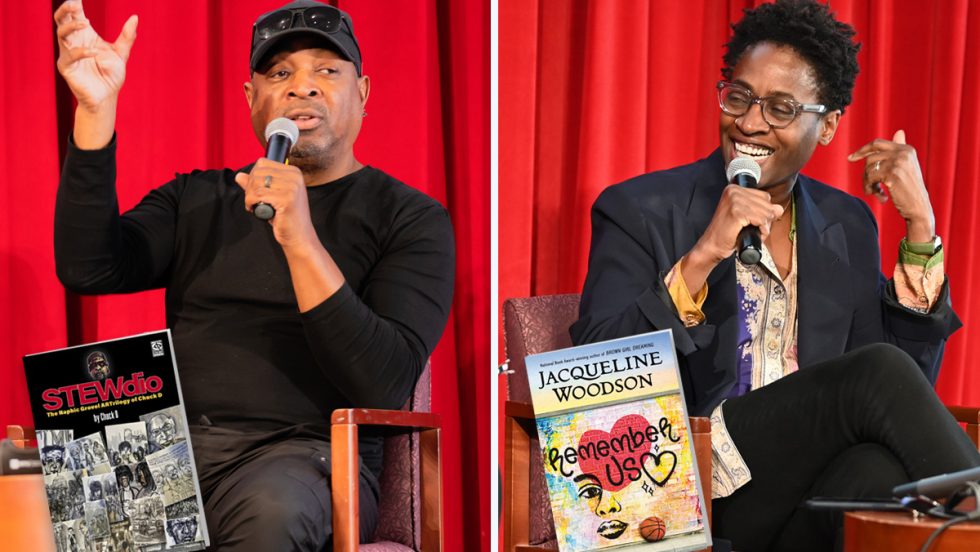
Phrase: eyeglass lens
(777, 111)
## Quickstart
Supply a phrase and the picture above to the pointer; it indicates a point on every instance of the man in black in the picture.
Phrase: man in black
(337, 301)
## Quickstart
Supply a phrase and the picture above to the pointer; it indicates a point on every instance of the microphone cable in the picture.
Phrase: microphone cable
(974, 489)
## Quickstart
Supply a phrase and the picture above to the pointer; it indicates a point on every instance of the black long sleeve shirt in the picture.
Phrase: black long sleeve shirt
(247, 357)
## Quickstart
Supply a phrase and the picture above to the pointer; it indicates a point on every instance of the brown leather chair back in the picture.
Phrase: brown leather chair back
(400, 505)
(536, 325)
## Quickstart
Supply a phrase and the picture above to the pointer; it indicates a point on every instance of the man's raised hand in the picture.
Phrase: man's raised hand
(93, 68)
(894, 165)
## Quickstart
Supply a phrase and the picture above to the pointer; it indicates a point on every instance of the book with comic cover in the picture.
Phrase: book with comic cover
(114, 445)
(618, 456)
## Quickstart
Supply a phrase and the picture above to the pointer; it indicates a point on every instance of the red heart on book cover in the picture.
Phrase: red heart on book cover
(624, 451)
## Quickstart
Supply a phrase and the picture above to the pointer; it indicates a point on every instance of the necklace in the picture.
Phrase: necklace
(786, 210)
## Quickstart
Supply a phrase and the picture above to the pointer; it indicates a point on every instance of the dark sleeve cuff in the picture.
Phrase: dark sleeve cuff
(109, 149)
(657, 306)
(935, 325)
(90, 170)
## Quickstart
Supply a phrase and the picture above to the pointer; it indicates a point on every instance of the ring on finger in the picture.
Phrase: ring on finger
(877, 165)
(268, 181)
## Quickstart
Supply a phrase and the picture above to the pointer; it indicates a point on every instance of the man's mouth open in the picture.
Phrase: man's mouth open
(612, 529)
(752, 151)
(306, 122)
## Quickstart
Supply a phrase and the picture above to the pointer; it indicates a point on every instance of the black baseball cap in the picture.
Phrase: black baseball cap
(304, 17)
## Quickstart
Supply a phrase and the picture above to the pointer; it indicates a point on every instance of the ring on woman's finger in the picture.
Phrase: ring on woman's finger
(877, 165)
(268, 181)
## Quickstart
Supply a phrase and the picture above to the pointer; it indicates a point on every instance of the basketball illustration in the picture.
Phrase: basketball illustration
(653, 529)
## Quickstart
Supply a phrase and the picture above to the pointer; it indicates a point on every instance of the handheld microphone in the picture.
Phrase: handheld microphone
(938, 486)
(746, 173)
(281, 134)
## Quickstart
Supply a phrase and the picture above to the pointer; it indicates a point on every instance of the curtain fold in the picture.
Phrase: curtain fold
(32, 302)
(612, 90)
(182, 107)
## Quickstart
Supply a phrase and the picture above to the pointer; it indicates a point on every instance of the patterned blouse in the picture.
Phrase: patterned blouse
(767, 336)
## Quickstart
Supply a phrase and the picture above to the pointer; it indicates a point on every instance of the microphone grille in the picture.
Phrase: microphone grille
(743, 165)
(284, 126)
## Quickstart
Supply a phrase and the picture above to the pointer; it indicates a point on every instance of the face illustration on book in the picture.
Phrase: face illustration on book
(95, 491)
(98, 366)
(182, 530)
(77, 454)
(53, 459)
(606, 505)
(144, 478)
(163, 431)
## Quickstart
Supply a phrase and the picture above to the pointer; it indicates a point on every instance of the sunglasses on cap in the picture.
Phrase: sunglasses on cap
(325, 18)
(327, 21)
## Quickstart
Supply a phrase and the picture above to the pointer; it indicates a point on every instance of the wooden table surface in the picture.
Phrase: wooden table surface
(25, 524)
(899, 531)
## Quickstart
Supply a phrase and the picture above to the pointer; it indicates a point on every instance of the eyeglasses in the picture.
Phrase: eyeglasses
(777, 111)
(325, 18)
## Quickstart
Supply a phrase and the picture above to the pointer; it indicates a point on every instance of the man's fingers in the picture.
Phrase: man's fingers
(860, 154)
(760, 195)
(764, 231)
(75, 54)
(874, 146)
(864, 151)
(760, 220)
(124, 42)
(251, 196)
(875, 173)
(777, 211)
(69, 28)
(66, 10)
(876, 189)
(874, 167)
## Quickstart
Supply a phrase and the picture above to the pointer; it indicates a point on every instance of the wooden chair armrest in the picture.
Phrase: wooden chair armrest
(518, 428)
(966, 414)
(518, 409)
(392, 418)
(346, 472)
(21, 436)
(969, 415)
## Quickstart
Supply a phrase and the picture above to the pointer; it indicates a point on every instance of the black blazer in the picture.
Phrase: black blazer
(642, 227)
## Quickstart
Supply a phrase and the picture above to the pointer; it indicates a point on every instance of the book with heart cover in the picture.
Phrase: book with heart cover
(115, 447)
(618, 456)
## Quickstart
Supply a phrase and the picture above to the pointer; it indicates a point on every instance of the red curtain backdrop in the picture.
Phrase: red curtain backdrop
(592, 93)
(32, 303)
(182, 107)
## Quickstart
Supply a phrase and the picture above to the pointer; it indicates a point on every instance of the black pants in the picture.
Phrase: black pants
(271, 491)
(855, 426)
